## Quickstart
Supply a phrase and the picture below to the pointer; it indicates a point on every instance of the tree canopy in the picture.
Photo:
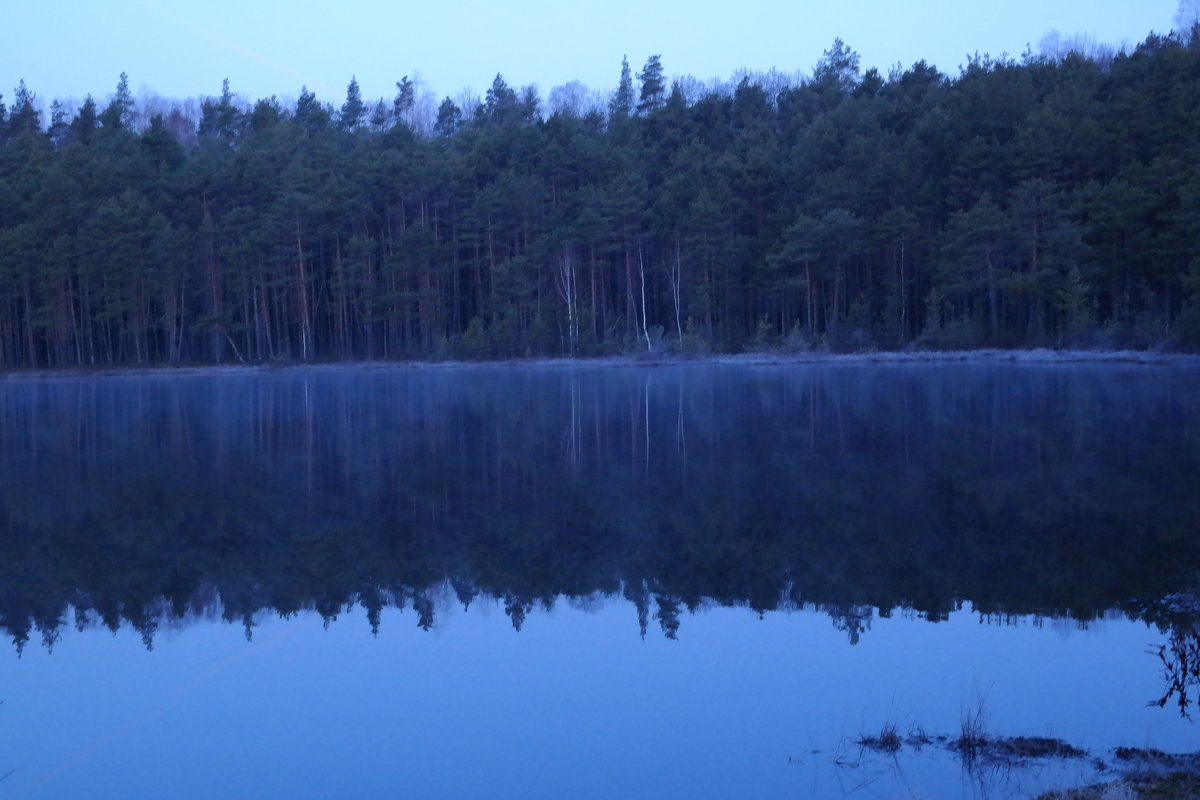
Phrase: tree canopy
(1051, 201)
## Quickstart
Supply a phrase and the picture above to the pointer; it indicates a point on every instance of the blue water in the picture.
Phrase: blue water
(576, 704)
(692, 582)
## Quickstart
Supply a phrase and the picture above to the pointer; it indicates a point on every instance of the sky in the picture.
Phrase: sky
(180, 49)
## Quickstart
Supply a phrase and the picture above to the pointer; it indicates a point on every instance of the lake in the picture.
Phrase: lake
(698, 580)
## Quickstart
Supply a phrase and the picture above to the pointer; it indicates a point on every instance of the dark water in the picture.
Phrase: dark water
(700, 581)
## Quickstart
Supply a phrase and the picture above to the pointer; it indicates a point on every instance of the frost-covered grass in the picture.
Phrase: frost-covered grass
(1036, 356)
(1145, 775)
(1172, 786)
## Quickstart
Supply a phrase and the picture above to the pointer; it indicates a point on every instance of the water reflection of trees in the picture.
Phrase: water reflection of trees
(1180, 658)
(1050, 491)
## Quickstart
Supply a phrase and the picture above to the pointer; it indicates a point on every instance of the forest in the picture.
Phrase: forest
(1046, 201)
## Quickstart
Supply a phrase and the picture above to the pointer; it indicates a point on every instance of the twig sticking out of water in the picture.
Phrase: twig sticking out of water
(973, 736)
(886, 741)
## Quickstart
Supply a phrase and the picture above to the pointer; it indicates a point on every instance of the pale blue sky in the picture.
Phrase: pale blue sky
(180, 49)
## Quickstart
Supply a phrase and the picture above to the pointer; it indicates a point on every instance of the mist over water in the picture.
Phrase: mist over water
(752, 561)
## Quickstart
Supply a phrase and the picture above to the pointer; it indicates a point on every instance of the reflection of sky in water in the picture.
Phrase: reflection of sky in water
(1056, 490)
(575, 705)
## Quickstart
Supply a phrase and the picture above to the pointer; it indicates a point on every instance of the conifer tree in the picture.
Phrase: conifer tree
(24, 117)
(311, 115)
(221, 119)
(119, 113)
(353, 110)
(85, 121)
(837, 70)
(621, 105)
(59, 130)
(500, 103)
(653, 86)
(448, 118)
(406, 99)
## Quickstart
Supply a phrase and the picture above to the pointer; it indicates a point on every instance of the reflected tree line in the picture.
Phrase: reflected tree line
(1050, 491)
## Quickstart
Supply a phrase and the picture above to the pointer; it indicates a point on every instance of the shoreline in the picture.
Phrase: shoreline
(986, 355)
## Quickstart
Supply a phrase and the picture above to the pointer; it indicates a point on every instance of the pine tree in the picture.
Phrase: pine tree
(975, 260)
(119, 113)
(85, 121)
(59, 130)
(161, 147)
(265, 114)
(379, 116)
(501, 103)
(653, 87)
(24, 117)
(222, 119)
(837, 70)
(406, 99)
(449, 117)
(621, 105)
(353, 110)
(311, 115)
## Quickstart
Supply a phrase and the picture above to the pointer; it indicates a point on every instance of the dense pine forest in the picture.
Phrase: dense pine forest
(1052, 201)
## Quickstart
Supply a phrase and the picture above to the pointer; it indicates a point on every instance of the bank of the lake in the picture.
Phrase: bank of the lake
(1143, 775)
(762, 358)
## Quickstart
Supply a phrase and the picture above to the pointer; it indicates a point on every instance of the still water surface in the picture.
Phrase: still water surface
(695, 581)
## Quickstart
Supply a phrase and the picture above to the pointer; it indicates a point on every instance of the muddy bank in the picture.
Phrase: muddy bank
(1142, 775)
